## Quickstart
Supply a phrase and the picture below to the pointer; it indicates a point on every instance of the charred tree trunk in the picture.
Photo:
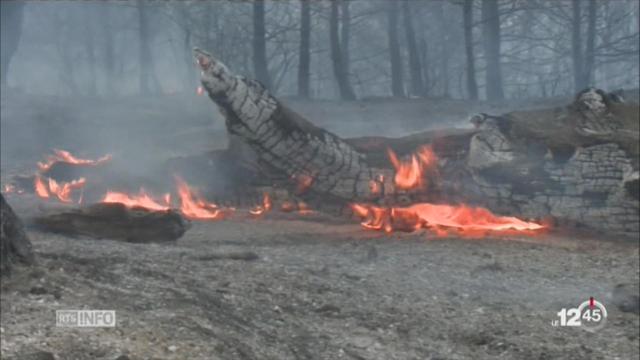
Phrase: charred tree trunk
(286, 146)
(491, 35)
(576, 46)
(11, 28)
(109, 52)
(345, 36)
(395, 59)
(14, 243)
(305, 53)
(591, 39)
(417, 86)
(145, 60)
(472, 86)
(260, 67)
(339, 69)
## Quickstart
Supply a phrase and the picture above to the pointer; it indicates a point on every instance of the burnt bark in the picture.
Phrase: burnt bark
(417, 85)
(472, 86)
(305, 52)
(14, 244)
(10, 31)
(492, 39)
(339, 69)
(116, 221)
(260, 67)
(395, 59)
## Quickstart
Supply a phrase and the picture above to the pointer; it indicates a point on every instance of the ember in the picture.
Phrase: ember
(264, 207)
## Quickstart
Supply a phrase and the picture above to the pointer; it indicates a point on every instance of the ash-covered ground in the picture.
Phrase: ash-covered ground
(291, 286)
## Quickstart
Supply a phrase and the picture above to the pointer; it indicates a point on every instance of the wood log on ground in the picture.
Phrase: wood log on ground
(116, 221)
(577, 163)
(14, 243)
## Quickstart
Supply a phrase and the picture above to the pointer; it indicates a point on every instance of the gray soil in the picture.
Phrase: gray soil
(291, 286)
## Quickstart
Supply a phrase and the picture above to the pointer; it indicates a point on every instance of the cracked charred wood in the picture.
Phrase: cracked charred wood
(14, 243)
(116, 221)
(577, 164)
(279, 143)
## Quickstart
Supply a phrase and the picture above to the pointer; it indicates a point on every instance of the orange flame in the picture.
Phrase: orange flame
(303, 182)
(410, 174)
(264, 208)
(143, 200)
(200, 90)
(67, 157)
(194, 207)
(41, 188)
(61, 190)
(463, 219)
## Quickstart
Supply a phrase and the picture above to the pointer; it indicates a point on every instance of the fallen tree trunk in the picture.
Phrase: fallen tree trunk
(275, 141)
(116, 221)
(577, 164)
(14, 243)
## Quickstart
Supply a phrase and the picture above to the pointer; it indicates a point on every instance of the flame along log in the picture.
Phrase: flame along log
(317, 162)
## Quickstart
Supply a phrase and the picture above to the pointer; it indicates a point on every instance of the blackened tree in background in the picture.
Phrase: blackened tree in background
(260, 66)
(337, 53)
(304, 58)
(467, 13)
(415, 68)
(491, 37)
(10, 31)
(395, 58)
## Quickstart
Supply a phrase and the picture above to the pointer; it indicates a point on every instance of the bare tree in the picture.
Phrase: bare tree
(491, 35)
(591, 39)
(305, 53)
(11, 28)
(395, 59)
(339, 69)
(576, 46)
(415, 68)
(148, 80)
(472, 86)
(260, 66)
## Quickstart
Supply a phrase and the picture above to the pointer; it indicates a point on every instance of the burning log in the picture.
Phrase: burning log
(116, 221)
(14, 243)
(577, 164)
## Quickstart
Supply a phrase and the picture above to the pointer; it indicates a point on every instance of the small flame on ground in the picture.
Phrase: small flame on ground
(264, 207)
(143, 199)
(67, 157)
(60, 190)
(442, 219)
(200, 90)
(194, 207)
